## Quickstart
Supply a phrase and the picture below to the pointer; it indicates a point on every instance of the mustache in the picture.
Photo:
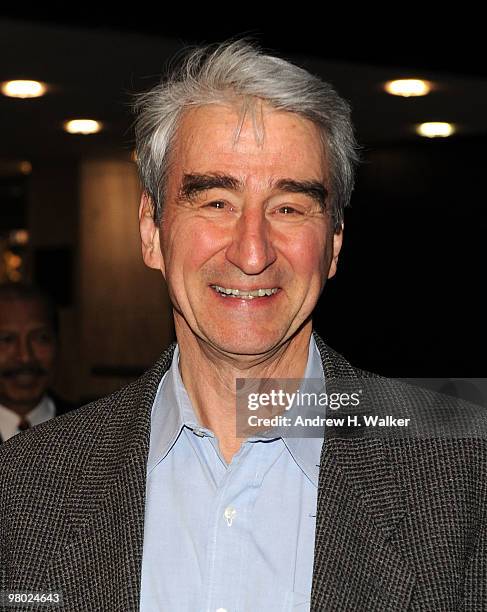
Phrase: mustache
(32, 369)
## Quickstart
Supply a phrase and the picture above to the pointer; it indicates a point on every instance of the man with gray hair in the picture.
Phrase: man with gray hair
(152, 499)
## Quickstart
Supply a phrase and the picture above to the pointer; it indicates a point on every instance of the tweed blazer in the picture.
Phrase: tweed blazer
(401, 522)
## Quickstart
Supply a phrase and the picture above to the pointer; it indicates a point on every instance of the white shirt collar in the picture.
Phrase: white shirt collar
(9, 419)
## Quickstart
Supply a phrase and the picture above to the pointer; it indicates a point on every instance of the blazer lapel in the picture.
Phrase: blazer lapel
(360, 506)
(100, 560)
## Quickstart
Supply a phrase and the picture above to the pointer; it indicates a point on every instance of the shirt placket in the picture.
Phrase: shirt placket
(231, 519)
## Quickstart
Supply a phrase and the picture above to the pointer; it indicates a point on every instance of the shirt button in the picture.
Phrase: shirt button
(230, 513)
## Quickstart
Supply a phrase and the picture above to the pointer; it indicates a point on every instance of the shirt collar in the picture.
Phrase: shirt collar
(172, 410)
(9, 419)
(166, 417)
(307, 451)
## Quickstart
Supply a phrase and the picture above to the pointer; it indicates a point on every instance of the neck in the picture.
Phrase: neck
(21, 409)
(209, 377)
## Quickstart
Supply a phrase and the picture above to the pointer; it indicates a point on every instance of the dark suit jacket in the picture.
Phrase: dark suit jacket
(401, 523)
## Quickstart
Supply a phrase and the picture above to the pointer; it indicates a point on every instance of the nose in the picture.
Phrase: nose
(25, 352)
(252, 249)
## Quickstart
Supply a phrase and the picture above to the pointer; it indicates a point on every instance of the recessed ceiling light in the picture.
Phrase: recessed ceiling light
(82, 126)
(435, 129)
(25, 167)
(20, 236)
(408, 88)
(23, 89)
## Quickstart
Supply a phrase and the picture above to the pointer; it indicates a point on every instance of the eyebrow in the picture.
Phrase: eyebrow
(313, 189)
(193, 184)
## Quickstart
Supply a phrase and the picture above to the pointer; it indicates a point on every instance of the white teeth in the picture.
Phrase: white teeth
(247, 295)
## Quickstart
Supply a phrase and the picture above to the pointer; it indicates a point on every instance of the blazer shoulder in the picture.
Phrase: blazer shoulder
(64, 443)
(63, 438)
(336, 366)
(432, 408)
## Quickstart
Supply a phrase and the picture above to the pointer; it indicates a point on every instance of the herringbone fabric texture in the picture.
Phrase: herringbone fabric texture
(401, 522)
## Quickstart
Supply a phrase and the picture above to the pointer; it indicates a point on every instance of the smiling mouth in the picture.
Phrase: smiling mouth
(244, 295)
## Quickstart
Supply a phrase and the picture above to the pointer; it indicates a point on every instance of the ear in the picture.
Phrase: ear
(149, 234)
(337, 245)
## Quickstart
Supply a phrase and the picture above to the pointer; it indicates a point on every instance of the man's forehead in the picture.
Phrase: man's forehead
(250, 121)
(228, 112)
(18, 310)
(274, 146)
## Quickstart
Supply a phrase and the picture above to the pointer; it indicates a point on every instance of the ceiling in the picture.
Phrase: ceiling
(93, 68)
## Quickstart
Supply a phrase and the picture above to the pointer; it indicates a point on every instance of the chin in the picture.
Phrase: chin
(23, 400)
(246, 342)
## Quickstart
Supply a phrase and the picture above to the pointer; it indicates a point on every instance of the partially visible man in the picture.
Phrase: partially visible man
(28, 355)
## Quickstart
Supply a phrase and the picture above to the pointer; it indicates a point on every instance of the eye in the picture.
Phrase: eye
(6, 339)
(288, 210)
(218, 204)
(43, 337)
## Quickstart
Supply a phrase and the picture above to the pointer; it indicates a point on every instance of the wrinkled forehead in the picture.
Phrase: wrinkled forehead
(230, 110)
(249, 126)
(248, 111)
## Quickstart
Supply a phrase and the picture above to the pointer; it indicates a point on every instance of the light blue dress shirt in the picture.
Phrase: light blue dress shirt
(221, 537)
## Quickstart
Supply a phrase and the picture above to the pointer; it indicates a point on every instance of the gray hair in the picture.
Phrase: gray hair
(239, 70)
